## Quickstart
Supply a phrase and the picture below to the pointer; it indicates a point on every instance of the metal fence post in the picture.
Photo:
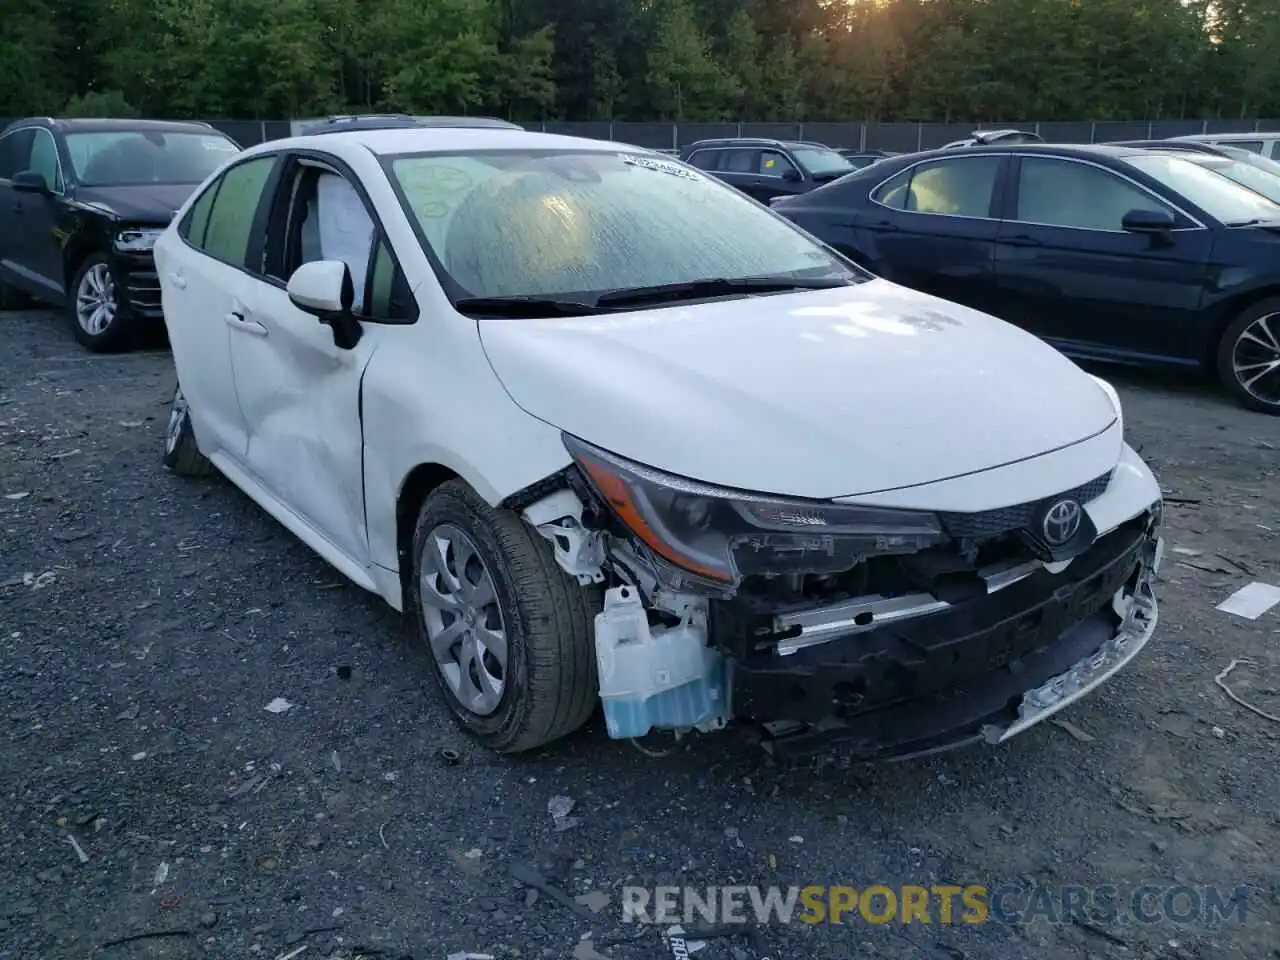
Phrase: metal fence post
(919, 137)
(1093, 131)
(862, 137)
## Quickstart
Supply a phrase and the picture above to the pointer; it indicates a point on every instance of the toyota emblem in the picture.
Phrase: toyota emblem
(1061, 522)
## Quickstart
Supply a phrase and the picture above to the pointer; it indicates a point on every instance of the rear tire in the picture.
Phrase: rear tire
(181, 453)
(513, 589)
(1248, 346)
(94, 306)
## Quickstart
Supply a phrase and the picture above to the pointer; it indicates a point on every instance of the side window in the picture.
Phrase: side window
(389, 294)
(705, 159)
(328, 221)
(44, 159)
(15, 152)
(960, 187)
(230, 219)
(1253, 146)
(740, 161)
(196, 222)
(774, 164)
(957, 187)
(1066, 193)
(893, 192)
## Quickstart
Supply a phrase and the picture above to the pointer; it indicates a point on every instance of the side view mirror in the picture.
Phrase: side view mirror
(1147, 221)
(30, 181)
(792, 175)
(323, 289)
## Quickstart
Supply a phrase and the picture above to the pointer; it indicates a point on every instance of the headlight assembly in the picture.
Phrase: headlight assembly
(725, 535)
(137, 239)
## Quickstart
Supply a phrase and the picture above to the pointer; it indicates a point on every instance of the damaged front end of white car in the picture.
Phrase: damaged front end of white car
(891, 632)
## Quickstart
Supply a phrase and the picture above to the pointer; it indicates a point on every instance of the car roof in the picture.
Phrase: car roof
(116, 124)
(392, 121)
(441, 139)
(1228, 137)
(1082, 150)
(755, 142)
(104, 124)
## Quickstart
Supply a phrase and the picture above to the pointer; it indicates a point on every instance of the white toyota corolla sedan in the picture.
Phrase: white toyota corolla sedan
(610, 432)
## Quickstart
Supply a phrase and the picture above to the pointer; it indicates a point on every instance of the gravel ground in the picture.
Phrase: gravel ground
(146, 621)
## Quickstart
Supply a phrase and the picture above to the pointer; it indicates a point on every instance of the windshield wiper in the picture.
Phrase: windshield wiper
(698, 289)
(523, 307)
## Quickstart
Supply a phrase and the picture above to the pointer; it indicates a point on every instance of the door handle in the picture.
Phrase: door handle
(1024, 240)
(178, 279)
(238, 321)
(888, 226)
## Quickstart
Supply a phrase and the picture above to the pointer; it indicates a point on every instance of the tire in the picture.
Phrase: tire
(1251, 341)
(548, 682)
(93, 283)
(12, 298)
(181, 454)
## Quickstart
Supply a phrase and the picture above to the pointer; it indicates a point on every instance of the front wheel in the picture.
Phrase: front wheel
(1249, 357)
(509, 632)
(97, 319)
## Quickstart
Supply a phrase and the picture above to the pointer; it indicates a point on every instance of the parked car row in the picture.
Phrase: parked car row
(1145, 252)
(530, 378)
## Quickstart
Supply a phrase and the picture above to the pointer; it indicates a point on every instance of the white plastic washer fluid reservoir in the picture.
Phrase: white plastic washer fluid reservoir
(654, 677)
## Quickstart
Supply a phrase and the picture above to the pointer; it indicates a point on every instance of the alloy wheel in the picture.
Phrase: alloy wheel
(96, 300)
(464, 622)
(1255, 359)
(177, 419)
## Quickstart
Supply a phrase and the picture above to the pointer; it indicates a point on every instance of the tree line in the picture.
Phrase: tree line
(671, 60)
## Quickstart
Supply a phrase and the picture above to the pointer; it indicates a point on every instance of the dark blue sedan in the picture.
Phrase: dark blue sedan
(1109, 253)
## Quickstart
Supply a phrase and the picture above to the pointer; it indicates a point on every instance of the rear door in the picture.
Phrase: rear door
(932, 227)
(1069, 272)
(207, 291)
(740, 168)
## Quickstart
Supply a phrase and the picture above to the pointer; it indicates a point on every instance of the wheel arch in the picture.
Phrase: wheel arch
(1230, 309)
(417, 486)
(74, 254)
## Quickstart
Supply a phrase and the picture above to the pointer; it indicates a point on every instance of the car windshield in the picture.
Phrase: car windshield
(579, 224)
(1247, 175)
(1221, 198)
(1253, 159)
(819, 162)
(114, 158)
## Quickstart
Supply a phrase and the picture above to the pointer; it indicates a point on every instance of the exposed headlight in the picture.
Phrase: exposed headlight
(138, 239)
(725, 535)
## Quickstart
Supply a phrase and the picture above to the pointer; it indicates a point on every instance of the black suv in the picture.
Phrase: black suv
(81, 205)
(765, 169)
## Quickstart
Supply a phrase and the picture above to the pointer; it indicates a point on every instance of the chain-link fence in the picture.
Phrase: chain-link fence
(859, 136)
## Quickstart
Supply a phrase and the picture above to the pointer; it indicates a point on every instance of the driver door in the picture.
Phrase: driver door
(32, 252)
(300, 394)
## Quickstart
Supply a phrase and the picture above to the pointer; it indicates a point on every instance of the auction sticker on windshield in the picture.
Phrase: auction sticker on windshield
(220, 144)
(661, 166)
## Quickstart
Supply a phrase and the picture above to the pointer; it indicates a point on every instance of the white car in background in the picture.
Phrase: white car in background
(608, 430)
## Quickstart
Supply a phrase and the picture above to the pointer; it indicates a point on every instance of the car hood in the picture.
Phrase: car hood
(146, 203)
(818, 394)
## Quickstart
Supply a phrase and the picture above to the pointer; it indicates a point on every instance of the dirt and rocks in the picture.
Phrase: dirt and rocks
(146, 791)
